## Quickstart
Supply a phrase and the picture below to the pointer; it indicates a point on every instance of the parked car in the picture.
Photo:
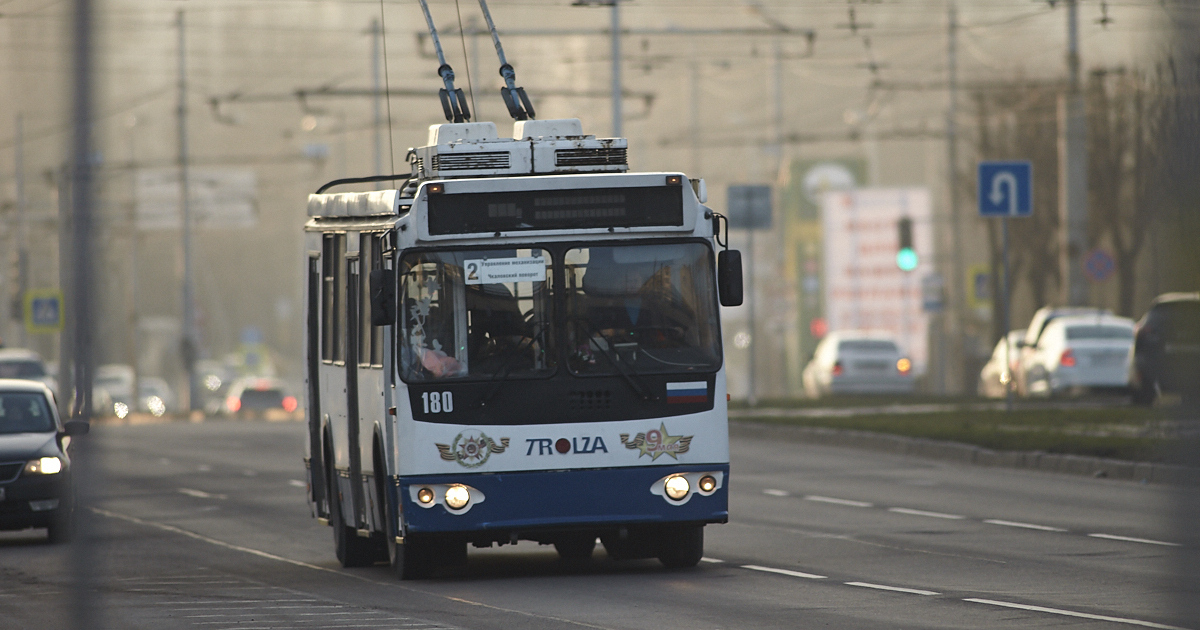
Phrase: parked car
(26, 364)
(1166, 350)
(858, 362)
(155, 396)
(1081, 353)
(116, 379)
(260, 397)
(995, 379)
(1033, 334)
(35, 469)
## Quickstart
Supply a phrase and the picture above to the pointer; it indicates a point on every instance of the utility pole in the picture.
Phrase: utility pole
(1072, 161)
(22, 232)
(957, 274)
(190, 344)
(377, 115)
(616, 69)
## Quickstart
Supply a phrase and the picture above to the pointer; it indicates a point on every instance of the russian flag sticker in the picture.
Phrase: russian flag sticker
(694, 392)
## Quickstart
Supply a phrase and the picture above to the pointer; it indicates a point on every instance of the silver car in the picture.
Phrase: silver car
(1082, 353)
(858, 362)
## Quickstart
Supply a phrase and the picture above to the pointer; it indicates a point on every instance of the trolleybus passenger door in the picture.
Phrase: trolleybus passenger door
(316, 454)
(351, 340)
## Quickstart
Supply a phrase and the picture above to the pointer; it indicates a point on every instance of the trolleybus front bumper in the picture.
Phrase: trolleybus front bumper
(562, 499)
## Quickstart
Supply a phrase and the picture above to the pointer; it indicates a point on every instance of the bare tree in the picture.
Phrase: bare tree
(1020, 122)
(1126, 116)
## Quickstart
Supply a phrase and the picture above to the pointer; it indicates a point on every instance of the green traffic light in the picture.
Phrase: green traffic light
(906, 259)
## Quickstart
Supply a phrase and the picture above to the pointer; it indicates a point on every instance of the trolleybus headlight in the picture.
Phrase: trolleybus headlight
(425, 496)
(677, 487)
(707, 483)
(457, 497)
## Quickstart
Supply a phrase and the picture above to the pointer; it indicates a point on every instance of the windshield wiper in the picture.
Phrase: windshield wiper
(632, 377)
(501, 375)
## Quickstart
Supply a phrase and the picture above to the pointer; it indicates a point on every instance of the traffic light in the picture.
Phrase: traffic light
(906, 256)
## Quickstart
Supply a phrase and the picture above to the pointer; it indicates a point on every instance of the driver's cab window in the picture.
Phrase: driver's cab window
(480, 313)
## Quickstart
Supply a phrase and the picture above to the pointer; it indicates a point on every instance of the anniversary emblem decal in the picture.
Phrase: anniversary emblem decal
(657, 442)
(471, 448)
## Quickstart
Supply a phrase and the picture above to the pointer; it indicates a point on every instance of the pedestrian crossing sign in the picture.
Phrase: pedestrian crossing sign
(43, 311)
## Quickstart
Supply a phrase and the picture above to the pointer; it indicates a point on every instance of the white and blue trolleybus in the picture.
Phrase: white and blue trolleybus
(519, 341)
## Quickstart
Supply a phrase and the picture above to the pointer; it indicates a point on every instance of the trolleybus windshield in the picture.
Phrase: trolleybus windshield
(641, 309)
(489, 314)
(476, 314)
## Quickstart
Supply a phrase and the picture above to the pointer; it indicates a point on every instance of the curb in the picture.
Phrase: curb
(1145, 472)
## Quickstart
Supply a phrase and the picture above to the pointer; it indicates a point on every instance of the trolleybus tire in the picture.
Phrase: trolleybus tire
(576, 546)
(682, 548)
(411, 560)
(351, 550)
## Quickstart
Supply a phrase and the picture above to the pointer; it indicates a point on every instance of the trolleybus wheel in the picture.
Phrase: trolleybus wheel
(682, 548)
(576, 546)
(351, 550)
(411, 560)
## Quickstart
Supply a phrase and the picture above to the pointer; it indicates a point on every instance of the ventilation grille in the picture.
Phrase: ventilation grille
(589, 400)
(9, 471)
(471, 161)
(590, 157)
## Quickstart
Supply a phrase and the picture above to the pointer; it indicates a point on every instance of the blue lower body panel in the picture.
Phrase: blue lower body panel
(566, 499)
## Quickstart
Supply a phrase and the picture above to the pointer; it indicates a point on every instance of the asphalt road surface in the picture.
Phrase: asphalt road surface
(206, 526)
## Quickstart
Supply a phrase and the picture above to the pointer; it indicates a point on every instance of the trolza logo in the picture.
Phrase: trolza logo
(657, 442)
(471, 448)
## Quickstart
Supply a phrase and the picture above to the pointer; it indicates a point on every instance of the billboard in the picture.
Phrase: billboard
(864, 289)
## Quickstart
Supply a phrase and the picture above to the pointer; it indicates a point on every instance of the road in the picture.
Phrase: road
(205, 526)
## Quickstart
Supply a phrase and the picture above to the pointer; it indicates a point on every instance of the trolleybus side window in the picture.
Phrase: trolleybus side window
(476, 314)
(370, 343)
(333, 312)
(641, 309)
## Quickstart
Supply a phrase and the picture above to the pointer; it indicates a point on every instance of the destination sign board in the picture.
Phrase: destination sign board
(473, 213)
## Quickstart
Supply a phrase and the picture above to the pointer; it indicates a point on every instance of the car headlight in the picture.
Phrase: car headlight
(707, 484)
(425, 496)
(677, 487)
(44, 466)
(457, 497)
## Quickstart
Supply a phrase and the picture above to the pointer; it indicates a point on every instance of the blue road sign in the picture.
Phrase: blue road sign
(1099, 265)
(1005, 189)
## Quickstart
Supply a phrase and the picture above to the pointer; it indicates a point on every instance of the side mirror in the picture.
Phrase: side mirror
(76, 427)
(383, 297)
(729, 277)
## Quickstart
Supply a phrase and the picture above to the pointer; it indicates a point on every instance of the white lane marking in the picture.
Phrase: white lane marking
(712, 560)
(809, 576)
(306, 565)
(297, 483)
(1071, 613)
(898, 589)
(776, 493)
(1136, 540)
(200, 494)
(1042, 528)
(204, 468)
(899, 510)
(862, 504)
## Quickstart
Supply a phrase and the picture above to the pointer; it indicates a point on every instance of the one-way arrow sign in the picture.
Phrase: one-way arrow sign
(1005, 189)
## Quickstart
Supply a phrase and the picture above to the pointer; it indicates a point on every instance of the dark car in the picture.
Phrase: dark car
(260, 397)
(35, 470)
(1166, 349)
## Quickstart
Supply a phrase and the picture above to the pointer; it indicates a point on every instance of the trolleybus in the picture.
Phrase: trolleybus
(519, 341)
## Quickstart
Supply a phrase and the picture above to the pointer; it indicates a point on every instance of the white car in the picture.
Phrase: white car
(858, 362)
(996, 378)
(1079, 353)
(1033, 334)
(26, 364)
